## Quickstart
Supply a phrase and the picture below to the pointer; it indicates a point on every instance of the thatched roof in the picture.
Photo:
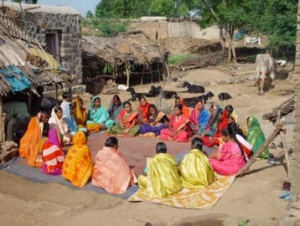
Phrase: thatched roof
(134, 46)
(23, 63)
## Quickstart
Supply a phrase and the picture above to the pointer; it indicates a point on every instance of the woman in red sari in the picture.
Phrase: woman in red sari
(177, 127)
(143, 110)
(215, 139)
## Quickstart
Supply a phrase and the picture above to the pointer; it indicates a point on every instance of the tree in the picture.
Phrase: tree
(89, 14)
(27, 1)
(228, 15)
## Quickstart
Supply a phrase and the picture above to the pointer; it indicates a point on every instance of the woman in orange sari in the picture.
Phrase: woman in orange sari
(177, 127)
(80, 113)
(142, 109)
(111, 171)
(185, 109)
(128, 119)
(29, 143)
(77, 166)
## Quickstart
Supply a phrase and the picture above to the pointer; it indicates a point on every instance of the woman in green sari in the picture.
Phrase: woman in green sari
(256, 137)
(98, 116)
(127, 125)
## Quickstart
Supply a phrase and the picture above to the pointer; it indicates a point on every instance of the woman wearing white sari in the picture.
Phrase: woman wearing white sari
(60, 125)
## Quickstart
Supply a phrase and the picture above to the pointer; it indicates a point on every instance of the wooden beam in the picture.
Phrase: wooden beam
(254, 157)
(1, 122)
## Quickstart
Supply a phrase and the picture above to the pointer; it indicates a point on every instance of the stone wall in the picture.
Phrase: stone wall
(39, 23)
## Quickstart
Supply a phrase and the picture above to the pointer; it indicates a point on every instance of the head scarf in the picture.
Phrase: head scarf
(52, 137)
(92, 103)
(79, 138)
(144, 109)
(79, 113)
(111, 105)
(59, 123)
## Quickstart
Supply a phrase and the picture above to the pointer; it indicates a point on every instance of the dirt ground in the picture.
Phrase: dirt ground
(253, 197)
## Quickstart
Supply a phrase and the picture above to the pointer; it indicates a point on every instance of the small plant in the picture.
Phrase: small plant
(179, 58)
(243, 223)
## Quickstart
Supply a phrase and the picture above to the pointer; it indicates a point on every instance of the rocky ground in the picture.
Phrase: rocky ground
(253, 197)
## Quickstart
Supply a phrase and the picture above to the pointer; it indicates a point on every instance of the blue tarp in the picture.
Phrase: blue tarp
(11, 73)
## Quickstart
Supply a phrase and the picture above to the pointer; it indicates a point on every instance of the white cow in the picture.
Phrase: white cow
(265, 71)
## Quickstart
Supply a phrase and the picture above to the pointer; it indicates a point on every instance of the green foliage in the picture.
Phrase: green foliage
(89, 14)
(104, 28)
(138, 8)
(175, 59)
(243, 223)
(27, 1)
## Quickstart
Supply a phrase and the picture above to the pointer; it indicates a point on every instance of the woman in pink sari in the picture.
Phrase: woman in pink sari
(111, 170)
(229, 158)
(177, 127)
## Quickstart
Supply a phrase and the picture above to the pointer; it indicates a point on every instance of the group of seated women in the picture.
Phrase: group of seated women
(70, 123)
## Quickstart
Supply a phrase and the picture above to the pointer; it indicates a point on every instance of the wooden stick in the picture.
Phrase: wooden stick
(253, 158)
(286, 155)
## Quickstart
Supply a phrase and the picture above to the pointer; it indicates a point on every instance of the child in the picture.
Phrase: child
(162, 177)
(65, 107)
(195, 169)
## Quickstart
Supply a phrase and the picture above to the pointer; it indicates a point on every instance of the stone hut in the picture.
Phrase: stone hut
(56, 28)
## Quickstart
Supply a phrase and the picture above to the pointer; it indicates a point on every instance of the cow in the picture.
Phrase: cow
(265, 71)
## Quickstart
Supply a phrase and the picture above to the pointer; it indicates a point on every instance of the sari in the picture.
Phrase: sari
(177, 124)
(127, 119)
(79, 114)
(111, 171)
(196, 171)
(31, 141)
(162, 176)
(256, 137)
(229, 159)
(211, 141)
(60, 125)
(203, 118)
(143, 110)
(52, 154)
(156, 124)
(212, 122)
(97, 117)
(194, 118)
(77, 166)
(114, 111)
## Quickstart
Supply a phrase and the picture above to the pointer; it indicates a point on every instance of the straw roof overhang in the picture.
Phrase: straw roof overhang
(127, 47)
(17, 71)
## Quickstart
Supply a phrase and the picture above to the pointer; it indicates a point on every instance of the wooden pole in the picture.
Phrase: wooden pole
(127, 74)
(56, 94)
(142, 78)
(253, 158)
(286, 155)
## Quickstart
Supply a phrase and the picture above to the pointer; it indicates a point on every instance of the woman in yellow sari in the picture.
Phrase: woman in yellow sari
(80, 114)
(162, 177)
(78, 165)
(195, 169)
(128, 119)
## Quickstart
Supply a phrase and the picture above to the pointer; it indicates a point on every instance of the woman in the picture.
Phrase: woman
(157, 121)
(29, 143)
(79, 113)
(111, 171)
(98, 118)
(114, 108)
(143, 110)
(52, 154)
(60, 125)
(216, 138)
(78, 165)
(199, 117)
(195, 169)
(177, 127)
(256, 137)
(128, 120)
(212, 122)
(161, 174)
(185, 109)
(229, 158)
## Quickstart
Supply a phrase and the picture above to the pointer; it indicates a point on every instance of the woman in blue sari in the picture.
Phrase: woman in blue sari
(98, 116)
(199, 117)
(114, 108)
